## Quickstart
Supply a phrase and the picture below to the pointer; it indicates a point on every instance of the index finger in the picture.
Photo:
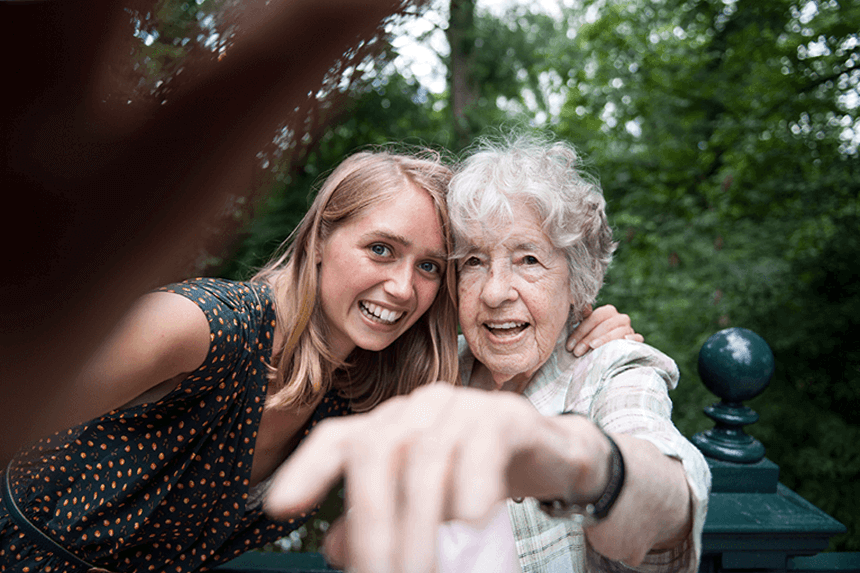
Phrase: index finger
(311, 470)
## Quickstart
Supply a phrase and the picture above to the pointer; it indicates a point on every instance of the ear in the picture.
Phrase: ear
(317, 256)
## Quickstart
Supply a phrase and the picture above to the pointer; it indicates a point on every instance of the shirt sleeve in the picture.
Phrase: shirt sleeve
(233, 313)
(627, 391)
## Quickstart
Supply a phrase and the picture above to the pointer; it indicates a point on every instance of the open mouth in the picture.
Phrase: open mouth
(506, 329)
(378, 314)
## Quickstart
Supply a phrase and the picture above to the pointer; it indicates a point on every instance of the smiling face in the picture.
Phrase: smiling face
(514, 291)
(380, 271)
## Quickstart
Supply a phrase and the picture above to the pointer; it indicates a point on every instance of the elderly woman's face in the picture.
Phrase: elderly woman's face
(514, 299)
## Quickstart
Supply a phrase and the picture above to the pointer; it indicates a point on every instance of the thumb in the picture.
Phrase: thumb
(335, 543)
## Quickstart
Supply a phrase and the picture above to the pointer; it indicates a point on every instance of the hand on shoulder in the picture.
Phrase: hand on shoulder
(599, 327)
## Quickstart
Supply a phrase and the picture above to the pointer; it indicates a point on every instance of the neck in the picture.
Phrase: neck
(486, 380)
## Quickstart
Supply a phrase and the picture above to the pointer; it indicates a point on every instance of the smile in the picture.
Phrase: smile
(503, 329)
(378, 314)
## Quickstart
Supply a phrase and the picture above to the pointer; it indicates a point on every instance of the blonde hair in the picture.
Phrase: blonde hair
(303, 366)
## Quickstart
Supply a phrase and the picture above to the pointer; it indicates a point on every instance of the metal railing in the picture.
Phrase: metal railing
(754, 525)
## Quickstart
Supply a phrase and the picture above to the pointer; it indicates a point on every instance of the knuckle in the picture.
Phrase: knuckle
(329, 430)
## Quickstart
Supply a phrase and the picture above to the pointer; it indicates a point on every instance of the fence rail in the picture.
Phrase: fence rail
(754, 525)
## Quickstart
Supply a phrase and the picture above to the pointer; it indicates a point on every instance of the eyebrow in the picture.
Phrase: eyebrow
(528, 247)
(395, 238)
(465, 251)
(524, 246)
(471, 249)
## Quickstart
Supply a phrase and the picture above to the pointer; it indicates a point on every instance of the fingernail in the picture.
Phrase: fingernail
(597, 343)
(630, 336)
(570, 345)
(580, 349)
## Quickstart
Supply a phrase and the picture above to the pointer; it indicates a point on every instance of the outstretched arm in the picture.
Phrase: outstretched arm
(131, 193)
(445, 453)
(163, 337)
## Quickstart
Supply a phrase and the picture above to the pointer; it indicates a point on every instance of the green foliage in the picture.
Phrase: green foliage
(725, 139)
(174, 34)
(718, 130)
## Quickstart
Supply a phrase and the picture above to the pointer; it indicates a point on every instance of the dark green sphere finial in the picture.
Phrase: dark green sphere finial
(735, 364)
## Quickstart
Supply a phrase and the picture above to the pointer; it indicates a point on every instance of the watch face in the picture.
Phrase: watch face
(563, 510)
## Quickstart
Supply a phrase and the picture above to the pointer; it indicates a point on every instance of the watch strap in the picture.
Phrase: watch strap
(600, 508)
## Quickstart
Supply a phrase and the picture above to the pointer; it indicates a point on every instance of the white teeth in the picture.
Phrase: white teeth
(380, 314)
(506, 325)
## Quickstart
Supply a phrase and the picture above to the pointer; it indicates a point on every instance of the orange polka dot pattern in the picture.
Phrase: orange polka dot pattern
(161, 486)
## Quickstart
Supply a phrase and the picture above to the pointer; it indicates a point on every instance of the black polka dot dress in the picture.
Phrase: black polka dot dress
(161, 486)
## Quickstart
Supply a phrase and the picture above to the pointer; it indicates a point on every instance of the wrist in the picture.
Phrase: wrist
(596, 506)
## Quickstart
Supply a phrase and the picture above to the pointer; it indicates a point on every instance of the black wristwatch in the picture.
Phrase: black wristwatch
(594, 512)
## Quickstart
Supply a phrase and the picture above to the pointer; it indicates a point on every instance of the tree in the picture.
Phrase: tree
(725, 137)
(463, 85)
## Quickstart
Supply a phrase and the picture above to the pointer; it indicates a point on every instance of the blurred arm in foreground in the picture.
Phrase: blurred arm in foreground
(109, 202)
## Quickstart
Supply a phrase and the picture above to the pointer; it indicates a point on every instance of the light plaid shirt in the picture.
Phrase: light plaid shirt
(623, 386)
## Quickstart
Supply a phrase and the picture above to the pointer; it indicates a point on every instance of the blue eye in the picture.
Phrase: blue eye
(429, 267)
(380, 250)
(530, 260)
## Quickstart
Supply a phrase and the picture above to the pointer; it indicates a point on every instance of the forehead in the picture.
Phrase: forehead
(408, 215)
(524, 231)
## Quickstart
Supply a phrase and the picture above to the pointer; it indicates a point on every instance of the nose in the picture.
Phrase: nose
(498, 286)
(399, 282)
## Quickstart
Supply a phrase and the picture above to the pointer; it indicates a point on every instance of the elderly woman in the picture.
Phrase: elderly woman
(613, 485)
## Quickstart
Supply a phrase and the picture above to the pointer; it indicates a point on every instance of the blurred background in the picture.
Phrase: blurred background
(724, 134)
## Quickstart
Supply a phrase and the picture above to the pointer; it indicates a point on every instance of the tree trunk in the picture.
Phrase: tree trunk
(463, 91)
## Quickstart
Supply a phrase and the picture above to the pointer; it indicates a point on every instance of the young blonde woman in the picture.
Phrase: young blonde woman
(208, 385)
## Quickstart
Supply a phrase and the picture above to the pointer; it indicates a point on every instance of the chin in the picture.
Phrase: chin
(375, 346)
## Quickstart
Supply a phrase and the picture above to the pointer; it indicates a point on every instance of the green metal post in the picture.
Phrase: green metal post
(754, 522)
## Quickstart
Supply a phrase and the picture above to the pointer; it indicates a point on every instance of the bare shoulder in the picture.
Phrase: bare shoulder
(162, 337)
(172, 328)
